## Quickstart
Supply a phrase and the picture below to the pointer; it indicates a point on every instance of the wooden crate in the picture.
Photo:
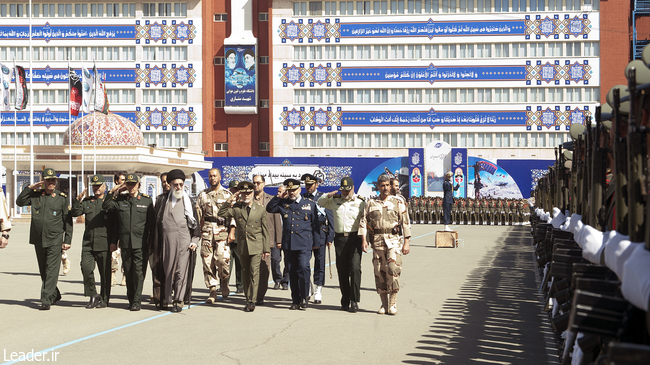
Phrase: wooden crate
(446, 238)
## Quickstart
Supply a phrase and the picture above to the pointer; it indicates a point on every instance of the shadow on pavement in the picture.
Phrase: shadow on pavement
(497, 316)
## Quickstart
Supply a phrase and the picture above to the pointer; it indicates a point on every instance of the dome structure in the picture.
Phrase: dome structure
(110, 130)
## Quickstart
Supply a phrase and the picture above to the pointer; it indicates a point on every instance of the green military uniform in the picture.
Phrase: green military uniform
(95, 247)
(51, 227)
(135, 217)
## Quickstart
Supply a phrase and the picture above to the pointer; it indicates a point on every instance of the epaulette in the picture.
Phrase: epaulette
(362, 198)
(146, 196)
(62, 194)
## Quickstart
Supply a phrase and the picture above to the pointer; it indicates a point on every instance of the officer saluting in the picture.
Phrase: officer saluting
(95, 245)
(50, 231)
(325, 219)
(348, 209)
(300, 233)
(135, 216)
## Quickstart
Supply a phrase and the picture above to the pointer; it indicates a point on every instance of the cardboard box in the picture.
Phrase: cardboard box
(446, 238)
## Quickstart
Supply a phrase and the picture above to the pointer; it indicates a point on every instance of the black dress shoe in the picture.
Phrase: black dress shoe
(58, 297)
(94, 300)
(303, 303)
(277, 286)
(176, 308)
(249, 307)
(101, 305)
(345, 308)
(260, 302)
(44, 307)
(294, 306)
(135, 308)
(354, 307)
(285, 287)
(239, 290)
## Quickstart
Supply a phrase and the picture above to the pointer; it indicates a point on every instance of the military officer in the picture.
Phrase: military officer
(215, 251)
(325, 219)
(135, 218)
(235, 264)
(116, 265)
(347, 210)
(386, 220)
(95, 245)
(50, 231)
(252, 235)
(300, 234)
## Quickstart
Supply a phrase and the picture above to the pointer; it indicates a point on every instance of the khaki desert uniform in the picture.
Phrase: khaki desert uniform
(383, 221)
(215, 251)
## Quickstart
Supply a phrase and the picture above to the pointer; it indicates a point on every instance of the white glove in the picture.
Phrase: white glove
(558, 218)
(592, 244)
(636, 278)
(617, 250)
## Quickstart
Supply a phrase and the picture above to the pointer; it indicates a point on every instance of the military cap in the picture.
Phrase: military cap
(245, 186)
(309, 179)
(449, 173)
(346, 183)
(131, 178)
(291, 184)
(97, 179)
(48, 173)
(231, 185)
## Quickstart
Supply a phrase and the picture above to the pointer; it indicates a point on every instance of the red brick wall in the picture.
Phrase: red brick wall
(615, 43)
(242, 132)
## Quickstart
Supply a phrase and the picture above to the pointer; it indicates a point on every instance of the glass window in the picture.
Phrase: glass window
(448, 51)
(519, 49)
(346, 7)
(330, 140)
(431, 96)
(592, 49)
(380, 7)
(330, 96)
(363, 52)
(483, 6)
(363, 7)
(538, 95)
(330, 8)
(347, 52)
(381, 140)
(315, 8)
(502, 95)
(502, 140)
(347, 139)
(519, 95)
(397, 51)
(363, 139)
(484, 96)
(316, 140)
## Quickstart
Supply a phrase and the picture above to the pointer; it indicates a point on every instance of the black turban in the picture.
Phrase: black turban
(175, 174)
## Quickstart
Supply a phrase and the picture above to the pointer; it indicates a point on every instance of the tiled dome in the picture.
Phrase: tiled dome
(112, 130)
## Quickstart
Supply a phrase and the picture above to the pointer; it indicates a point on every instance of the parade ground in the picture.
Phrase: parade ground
(475, 304)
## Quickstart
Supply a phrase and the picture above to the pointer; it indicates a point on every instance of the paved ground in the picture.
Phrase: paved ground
(470, 305)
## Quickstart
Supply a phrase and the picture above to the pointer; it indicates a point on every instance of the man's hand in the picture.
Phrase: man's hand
(278, 246)
(193, 246)
(364, 244)
(266, 255)
(82, 195)
(329, 244)
(113, 247)
(332, 193)
(406, 248)
(36, 186)
(3, 241)
(65, 247)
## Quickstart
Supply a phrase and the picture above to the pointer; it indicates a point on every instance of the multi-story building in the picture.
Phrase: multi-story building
(148, 53)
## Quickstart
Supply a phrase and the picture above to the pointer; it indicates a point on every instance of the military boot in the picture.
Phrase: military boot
(212, 298)
(392, 306)
(384, 304)
(225, 290)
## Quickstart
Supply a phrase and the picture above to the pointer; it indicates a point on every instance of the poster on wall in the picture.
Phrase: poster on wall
(240, 76)
(459, 169)
(416, 169)
(487, 180)
(393, 168)
(437, 163)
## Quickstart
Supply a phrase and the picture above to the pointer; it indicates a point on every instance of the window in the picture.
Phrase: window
(555, 49)
(573, 49)
(112, 10)
(315, 8)
(363, 52)
(264, 103)
(555, 5)
(220, 17)
(466, 140)
(414, 96)
(519, 140)
(363, 139)
(300, 96)
(573, 94)
(180, 9)
(380, 7)
(62, 96)
(179, 96)
(48, 11)
(449, 95)
(97, 53)
(347, 96)
(397, 7)
(502, 140)
(537, 5)
(414, 51)
(484, 96)
(484, 50)
(466, 95)
(263, 17)
(96, 10)
(431, 6)
(316, 96)
(431, 51)
(592, 94)
(381, 140)
(466, 50)
(113, 96)
(592, 49)
(518, 5)
(347, 52)
(329, 52)
(347, 139)
(572, 5)
(538, 140)
(381, 96)
(265, 146)
(398, 140)
(431, 96)
(315, 52)
(415, 140)
(448, 6)
(128, 53)
(363, 96)
(219, 103)
(502, 95)
(48, 96)
(501, 6)
(346, 7)
(164, 53)
(300, 140)
(502, 50)
(396, 51)
(330, 8)
(149, 9)
(128, 96)
(519, 49)
(264, 60)
(448, 51)
(164, 9)
(519, 95)
(63, 53)
(466, 6)
(398, 96)
(221, 146)
(299, 8)
(538, 95)
(555, 95)
(330, 96)
(483, 6)
(315, 140)
(537, 50)
(363, 7)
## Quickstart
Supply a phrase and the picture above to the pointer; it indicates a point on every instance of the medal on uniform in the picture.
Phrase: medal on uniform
(53, 195)
(286, 215)
(306, 217)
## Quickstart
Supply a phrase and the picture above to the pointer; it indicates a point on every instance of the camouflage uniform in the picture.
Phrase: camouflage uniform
(215, 251)
(383, 219)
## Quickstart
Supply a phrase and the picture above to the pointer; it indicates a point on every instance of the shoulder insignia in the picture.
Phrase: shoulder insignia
(63, 194)
(362, 198)
(146, 196)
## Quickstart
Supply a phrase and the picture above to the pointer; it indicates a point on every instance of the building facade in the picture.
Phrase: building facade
(504, 78)
(149, 54)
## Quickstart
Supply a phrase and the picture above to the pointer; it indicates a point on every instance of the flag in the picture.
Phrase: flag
(101, 99)
(5, 79)
(75, 92)
(87, 85)
(21, 88)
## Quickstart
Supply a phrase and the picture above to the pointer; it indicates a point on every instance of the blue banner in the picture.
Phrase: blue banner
(459, 169)
(416, 171)
(49, 32)
(48, 118)
(433, 118)
(60, 75)
(240, 76)
(432, 73)
(486, 179)
(432, 29)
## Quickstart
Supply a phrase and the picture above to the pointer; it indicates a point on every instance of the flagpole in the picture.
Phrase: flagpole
(94, 122)
(31, 102)
(69, 134)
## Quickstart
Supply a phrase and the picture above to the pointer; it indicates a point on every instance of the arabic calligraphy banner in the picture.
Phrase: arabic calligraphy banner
(60, 75)
(49, 118)
(49, 32)
(432, 29)
(240, 76)
(433, 118)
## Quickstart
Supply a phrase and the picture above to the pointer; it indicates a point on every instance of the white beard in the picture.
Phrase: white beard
(177, 194)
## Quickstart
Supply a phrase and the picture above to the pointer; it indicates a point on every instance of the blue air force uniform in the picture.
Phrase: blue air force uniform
(326, 230)
(300, 233)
